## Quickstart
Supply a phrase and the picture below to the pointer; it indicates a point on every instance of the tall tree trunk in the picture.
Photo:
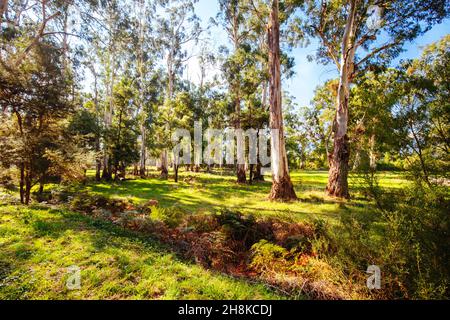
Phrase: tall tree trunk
(240, 168)
(143, 153)
(176, 166)
(372, 153)
(339, 167)
(41, 184)
(282, 187)
(98, 160)
(418, 151)
(143, 156)
(98, 166)
(257, 176)
(164, 164)
(250, 178)
(107, 165)
(65, 39)
(22, 183)
(27, 185)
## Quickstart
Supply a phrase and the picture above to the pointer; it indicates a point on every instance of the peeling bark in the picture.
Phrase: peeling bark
(282, 187)
(339, 159)
(337, 181)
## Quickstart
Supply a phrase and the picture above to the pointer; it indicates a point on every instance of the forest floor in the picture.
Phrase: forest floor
(38, 243)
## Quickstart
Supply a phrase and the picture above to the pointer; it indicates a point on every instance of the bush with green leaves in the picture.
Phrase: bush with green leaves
(408, 237)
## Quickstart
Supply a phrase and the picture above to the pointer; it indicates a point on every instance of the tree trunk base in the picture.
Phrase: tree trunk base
(106, 175)
(257, 176)
(283, 191)
(241, 177)
(338, 174)
(164, 173)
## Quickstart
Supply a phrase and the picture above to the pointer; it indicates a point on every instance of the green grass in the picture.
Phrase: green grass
(209, 192)
(39, 243)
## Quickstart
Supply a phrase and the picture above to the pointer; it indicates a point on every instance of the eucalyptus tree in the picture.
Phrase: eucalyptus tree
(144, 55)
(277, 18)
(282, 187)
(112, 38)
(232, 17)
(177, 27)
(357, 35)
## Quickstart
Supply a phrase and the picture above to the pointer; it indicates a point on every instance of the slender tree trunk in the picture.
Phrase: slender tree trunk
(65, 39)
(176, 166)
(357, 161)
(98, 169)
(143, 153)
(282, 187)
(41, 185)
(419, 153)
(107, 165)
(257, 176)
(372, 153)
(98, 160)
(339, 167)
(164, 165)
(123, 171)
(27, 186)
(143, 156)
(240, 168)
(22, 183)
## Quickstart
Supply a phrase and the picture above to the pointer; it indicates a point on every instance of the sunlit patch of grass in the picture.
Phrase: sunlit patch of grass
(203, 192)
(38, 244)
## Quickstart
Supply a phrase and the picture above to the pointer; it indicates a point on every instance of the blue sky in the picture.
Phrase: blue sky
(310, 74)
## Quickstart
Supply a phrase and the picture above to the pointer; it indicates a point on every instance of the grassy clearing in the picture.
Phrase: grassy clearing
(39, 243)
(205, 193)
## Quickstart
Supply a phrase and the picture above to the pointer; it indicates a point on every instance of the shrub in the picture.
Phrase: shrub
(267, 256)
(200, 223)
(212, 250)
(242, 228)
(408, 237)
(172, 217)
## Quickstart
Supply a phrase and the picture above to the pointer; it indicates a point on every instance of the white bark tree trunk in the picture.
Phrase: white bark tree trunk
(338, 175)
(282, 188)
